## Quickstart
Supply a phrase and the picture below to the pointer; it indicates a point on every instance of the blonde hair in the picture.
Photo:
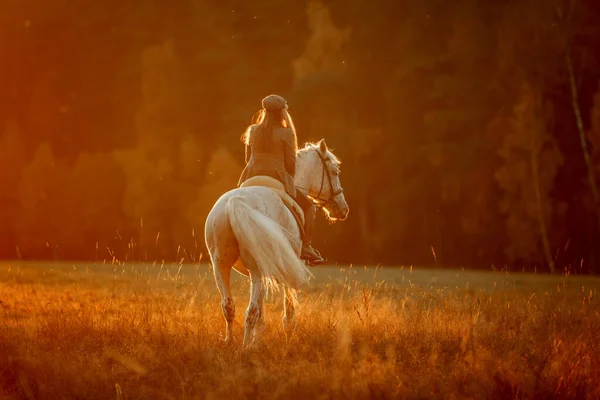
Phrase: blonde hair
(263, 123)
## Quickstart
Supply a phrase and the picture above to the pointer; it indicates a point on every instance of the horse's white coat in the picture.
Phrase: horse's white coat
(251, 230)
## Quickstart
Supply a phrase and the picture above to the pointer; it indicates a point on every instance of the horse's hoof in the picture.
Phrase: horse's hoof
(289, 327)
(259, 331)
(228, 341)
(250, 344)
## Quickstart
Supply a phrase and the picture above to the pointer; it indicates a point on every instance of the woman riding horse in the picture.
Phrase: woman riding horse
(270, 147)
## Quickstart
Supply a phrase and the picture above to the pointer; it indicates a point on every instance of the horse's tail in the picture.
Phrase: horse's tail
(268, 243)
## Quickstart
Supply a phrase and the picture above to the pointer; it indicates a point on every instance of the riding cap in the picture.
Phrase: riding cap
(274, 102)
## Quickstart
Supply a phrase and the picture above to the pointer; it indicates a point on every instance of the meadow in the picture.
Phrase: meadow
(127, 331)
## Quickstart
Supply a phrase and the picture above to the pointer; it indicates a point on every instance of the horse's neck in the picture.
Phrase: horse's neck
(304, 173)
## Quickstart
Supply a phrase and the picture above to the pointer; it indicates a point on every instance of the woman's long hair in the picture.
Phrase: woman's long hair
(263, 123)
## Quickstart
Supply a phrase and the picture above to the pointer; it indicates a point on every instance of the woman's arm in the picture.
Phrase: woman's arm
(290, 147)
(248, 152)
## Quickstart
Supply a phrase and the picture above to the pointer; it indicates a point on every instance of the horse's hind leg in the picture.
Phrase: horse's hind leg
(222, 273)
(255, 309)
(261, 325)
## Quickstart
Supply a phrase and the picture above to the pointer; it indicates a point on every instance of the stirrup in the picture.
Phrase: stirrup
(312, 263)
(312, 256)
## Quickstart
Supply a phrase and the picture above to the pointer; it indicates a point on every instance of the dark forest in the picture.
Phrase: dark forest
(469, 131)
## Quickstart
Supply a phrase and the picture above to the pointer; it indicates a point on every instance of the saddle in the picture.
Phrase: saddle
(279, 189)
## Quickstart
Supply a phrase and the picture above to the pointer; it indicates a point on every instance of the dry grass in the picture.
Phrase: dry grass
(149, 332)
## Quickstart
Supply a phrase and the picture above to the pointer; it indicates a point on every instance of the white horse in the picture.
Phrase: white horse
(251, 230)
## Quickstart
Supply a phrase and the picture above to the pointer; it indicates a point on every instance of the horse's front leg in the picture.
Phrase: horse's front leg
(289, 310)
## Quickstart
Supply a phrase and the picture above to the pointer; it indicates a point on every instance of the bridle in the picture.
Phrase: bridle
(320, 201)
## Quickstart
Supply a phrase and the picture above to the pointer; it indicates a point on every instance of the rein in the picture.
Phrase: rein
(323, 202)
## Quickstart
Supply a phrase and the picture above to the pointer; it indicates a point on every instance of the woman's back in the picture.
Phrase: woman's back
(269, 143)
(271, 153)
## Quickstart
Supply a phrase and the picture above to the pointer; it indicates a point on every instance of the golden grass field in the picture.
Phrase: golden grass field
(89, 331)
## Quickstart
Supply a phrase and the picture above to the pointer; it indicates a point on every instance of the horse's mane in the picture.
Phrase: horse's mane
(309, 146)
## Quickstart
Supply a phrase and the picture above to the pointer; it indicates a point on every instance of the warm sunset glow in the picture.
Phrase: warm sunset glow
(150, 148)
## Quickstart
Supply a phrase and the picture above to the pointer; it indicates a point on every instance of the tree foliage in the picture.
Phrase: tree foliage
(120, 124)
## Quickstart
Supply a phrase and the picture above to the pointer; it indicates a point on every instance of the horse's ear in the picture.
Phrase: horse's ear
(323, 146)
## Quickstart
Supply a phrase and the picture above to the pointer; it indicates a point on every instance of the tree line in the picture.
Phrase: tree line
(468, 131)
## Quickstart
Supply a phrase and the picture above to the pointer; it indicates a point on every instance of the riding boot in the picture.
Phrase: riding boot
(310, 254)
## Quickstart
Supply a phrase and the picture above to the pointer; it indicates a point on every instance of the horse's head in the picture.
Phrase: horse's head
(318, 173)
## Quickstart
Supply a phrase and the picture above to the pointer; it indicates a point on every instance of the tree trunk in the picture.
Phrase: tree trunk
(586, 154)
(538, 195)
